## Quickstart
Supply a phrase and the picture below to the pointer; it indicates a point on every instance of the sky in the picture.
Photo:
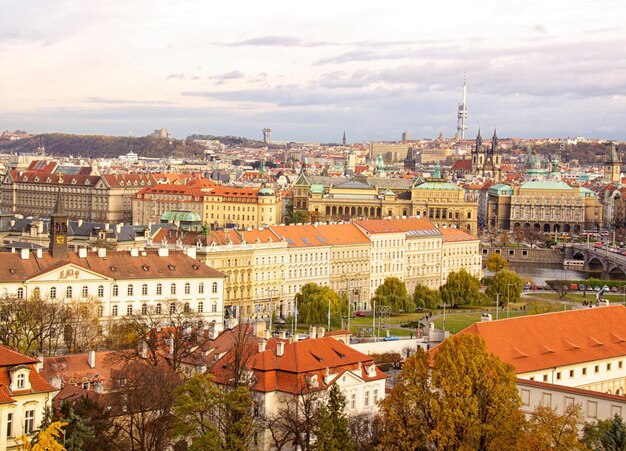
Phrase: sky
(310, 70)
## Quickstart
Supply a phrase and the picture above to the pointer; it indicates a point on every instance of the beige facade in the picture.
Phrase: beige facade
(546, 206)
(89, 197)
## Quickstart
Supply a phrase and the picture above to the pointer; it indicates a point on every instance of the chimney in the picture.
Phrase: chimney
(143, 350)
(91, 358)
(191, 252)
(80, 222)
(106, 226)
(164, 252)
(262, 344)
(134, 252)
(312, 332)
(320, 332)
(259, 329)
(39, 253)
(40, 357)
(97, 387)
(24, 253)
(280, 348)
(282, 334)
(118, 228)
(82, 252)
(102, 252)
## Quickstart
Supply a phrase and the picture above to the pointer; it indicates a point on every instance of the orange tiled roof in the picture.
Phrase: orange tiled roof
(305, 235)
(338, 234)
(395, 225)
(10, 359)
(454, 235)
(537, 342)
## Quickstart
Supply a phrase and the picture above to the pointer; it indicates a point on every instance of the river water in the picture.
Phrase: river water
(539, 273)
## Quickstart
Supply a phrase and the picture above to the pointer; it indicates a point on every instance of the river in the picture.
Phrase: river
(539, 273)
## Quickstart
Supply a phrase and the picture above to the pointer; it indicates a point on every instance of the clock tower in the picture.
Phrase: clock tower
(58, 230)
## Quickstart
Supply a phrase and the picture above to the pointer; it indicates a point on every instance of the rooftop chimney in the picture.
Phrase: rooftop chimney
(102, 252)
(280, 348)
(164, 252)
(82, 252)
(134, 252)
(24, 253)
(262, 344)
(39, 253)
(320, 332)
(191, 252)
(312, 332)
(91, 358)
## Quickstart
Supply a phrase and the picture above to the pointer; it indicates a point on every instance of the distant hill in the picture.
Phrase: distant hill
(230, 140)
(100, 146)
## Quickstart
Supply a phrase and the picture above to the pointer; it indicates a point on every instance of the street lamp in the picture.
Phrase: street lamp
(497, 304)
(508, 298)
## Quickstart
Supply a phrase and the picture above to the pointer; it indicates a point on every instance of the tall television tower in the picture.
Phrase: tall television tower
(461, 114)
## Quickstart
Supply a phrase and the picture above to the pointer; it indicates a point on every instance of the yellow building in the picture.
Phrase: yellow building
(543, 206)
(338, 199)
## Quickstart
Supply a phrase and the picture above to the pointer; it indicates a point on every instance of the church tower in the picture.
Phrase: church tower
(612, 167)
(58, 230)
(478, 156)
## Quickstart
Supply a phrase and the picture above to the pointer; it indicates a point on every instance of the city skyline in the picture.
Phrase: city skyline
(534, 70)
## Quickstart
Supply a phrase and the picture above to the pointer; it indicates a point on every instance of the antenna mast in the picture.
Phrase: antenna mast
(462, 112)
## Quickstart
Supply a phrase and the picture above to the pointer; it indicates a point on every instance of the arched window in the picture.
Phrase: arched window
(214, 287)
(144, 289)
(68, 292)
(200, 307)
(129, 310)
(144, 309)
(100, 291)
(172, 307)
(158, 308)
(20, 293)
(114, 310)
(37, 293)
(115, 290)
(187, 288)
(186, 307)
(159, 289)
(129, 290)
(100, 311)
(85, 291)
(53, 292)
(214, 307)
(173, 288)
(201, 288)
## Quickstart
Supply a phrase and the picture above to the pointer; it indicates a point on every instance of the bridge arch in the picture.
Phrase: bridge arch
(617, 272)
(578, 255)
(595, 264)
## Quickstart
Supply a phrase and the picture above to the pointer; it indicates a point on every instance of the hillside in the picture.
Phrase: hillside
(99, 146)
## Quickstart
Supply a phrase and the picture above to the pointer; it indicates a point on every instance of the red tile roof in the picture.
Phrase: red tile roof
(9, 360)
(536, 342)
(338, 234)
(454, 235)
(462, 165)
(395, 225)
(116, 265)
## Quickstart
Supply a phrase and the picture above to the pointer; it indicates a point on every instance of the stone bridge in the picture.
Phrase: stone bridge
(602, 260)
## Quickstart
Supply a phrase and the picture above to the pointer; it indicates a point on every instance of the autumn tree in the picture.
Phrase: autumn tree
(82, 327)
(211, 416)
(425, 297)
(91, 425)
(467, 400)
(332, 431)
(392, 293)
(172, 327)
(508, 284)
(47, 439)
(313, 301)
(518, 235)
(560, 287)
(496, 262)
(546, 429)
(461, 288)
(365, 429)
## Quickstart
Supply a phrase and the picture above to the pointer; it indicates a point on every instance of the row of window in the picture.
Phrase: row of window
(158, 309)
(29, 423)
(572, 373)
(130, 290)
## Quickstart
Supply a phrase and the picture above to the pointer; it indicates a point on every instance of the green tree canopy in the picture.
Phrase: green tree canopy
(547, 429)
(393, 293)
(462, 288)
(496, 262)
(425, 297)
(605, 435)
(508, 284)
(467, 400)
(313, 305)
(331, 431)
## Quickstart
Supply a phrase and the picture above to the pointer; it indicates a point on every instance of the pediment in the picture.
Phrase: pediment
(68, 272)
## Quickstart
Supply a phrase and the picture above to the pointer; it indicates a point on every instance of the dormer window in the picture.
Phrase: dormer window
(20, 382)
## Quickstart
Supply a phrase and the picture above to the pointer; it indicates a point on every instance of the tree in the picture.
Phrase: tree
(98, 418)
(46, 440)
(425, 297)
(296, 216)
(519, 235)
(508, 284)
(461, 288)
(173, 327)
(332, 429)
(212, 416)
(496, 262)
(560, 287)
(393, 293)
(78, 431)
(605, 435)
(145, 393)
(365, 429)
(313, 303)
(468, 400)
(546, 429)
(505, 238)
(82, 328)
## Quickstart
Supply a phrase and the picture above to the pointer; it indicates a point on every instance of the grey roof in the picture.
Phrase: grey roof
(378, 182)
(23, 245)
(354, 184)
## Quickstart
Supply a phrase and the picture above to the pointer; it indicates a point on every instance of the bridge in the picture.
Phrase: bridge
(601, 260)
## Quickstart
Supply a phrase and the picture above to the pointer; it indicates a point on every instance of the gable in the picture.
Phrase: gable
(67, 272)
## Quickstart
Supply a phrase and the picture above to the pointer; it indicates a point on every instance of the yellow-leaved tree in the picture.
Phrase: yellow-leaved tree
(46, 439)
(463, 399)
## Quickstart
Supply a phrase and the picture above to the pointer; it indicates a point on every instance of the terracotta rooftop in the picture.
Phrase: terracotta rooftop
(10, 359)
(453, 235)
(338, 234)
(536, 342)
(396, 225)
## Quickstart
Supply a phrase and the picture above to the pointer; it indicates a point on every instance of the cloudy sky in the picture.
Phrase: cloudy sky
(310, 70)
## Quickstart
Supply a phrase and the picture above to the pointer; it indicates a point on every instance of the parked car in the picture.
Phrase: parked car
(581, 286)
(391, 338)
(596, 288)
(613, 289)
(360, 314)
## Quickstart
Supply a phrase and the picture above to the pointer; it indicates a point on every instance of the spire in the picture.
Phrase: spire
(59, 209)
(437, 174)
(495, 142)
(343, 140)
(479, 141)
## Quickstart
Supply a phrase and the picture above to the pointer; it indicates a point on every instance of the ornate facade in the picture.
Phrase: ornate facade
(486, 162)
